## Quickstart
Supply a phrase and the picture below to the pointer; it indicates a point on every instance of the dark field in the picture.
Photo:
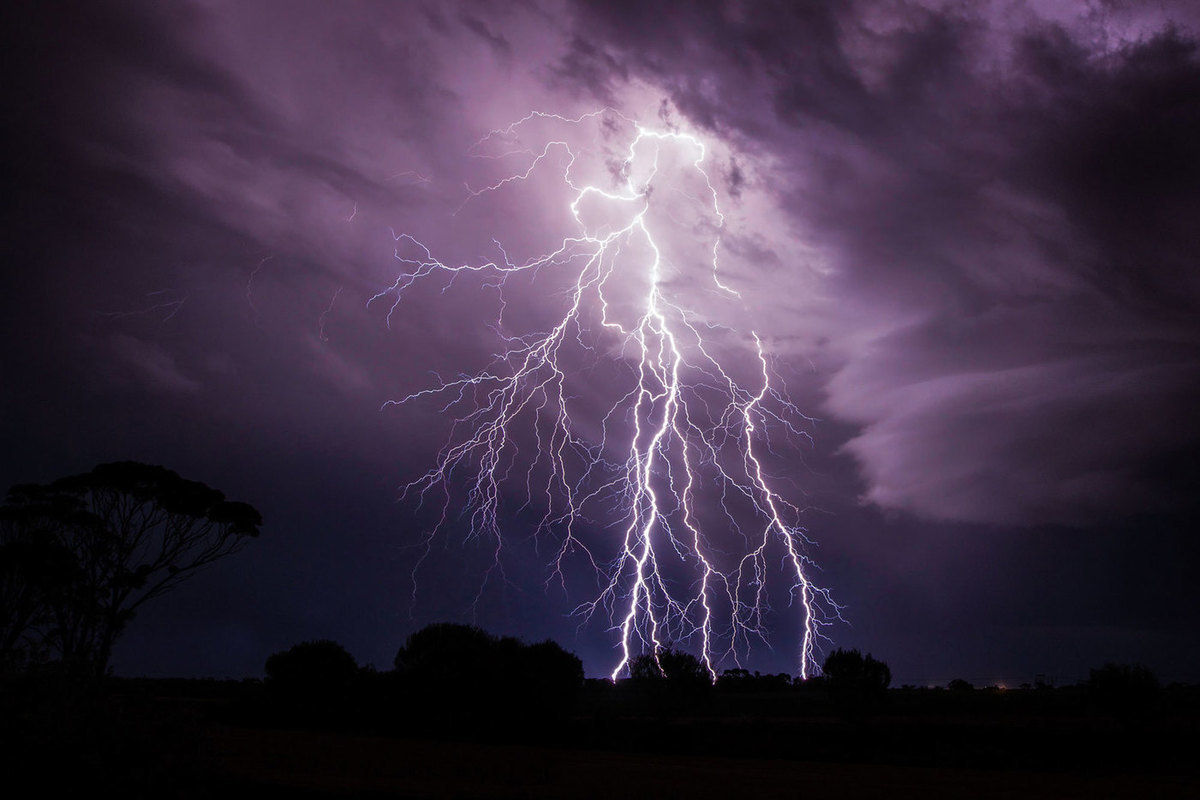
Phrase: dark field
(324, 764)
(196, 739)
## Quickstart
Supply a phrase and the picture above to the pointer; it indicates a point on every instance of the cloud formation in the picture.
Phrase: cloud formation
(982, 218)
(1006, 205)
(965, 231)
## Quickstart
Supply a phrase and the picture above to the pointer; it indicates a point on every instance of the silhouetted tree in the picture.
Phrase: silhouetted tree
(677, 666)
(550, 663)
(669, 682)
(960, 685)
(322, 667)
(84, 553)
(465, 670)
(855, 681)
(551, 678)
(32, 570)
(740, 680)
(447, 654)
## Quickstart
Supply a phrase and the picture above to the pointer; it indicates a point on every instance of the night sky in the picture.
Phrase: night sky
(968, 235)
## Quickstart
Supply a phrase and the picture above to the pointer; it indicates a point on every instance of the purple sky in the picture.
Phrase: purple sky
(966, 233)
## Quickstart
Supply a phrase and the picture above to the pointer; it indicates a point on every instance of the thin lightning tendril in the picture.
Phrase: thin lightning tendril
(684, 424)
(328, 309)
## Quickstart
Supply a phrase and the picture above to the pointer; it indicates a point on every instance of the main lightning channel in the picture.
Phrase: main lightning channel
(684, 423)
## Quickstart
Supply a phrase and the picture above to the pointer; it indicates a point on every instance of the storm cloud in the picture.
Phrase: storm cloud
(1007, 209)
(967, 234)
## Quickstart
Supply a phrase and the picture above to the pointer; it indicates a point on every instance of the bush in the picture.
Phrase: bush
(463, 671)
(314, 669)
(676, 666)
(856, 682)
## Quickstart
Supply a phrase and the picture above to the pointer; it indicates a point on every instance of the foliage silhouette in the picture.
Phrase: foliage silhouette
(856, 682)
(32, 570)
(80, 556)
(457, 671)
(676, 666)
(318, 668)
(446, 653)
(312, 683)
(740, 680)
(551, 678)
(669, 682)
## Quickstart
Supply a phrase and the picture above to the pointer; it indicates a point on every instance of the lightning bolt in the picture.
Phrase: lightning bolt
(675, 466)
(328, 310)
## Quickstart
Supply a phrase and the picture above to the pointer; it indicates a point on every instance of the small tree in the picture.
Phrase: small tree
(550, 678)
(669, 681)
(319, 668)
(84, 553)
(460, 671)
(856, 681)
(448, 654)
(677, 666)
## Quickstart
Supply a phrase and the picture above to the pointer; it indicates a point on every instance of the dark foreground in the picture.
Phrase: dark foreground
(276, 763)
(202, 739)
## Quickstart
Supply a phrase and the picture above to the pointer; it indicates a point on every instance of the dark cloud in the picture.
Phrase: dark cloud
(498, 43)
(1008, 211)
(966, 232)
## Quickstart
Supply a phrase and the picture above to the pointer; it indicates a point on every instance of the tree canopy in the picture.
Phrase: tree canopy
(317, 667)
(79, 556)
(856, 681)
(464, 670)
(677, 666)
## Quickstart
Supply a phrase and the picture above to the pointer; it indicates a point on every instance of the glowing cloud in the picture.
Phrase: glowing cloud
(652, 476)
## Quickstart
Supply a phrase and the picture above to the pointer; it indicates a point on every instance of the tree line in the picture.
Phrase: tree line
(444, 674)
(80, 556)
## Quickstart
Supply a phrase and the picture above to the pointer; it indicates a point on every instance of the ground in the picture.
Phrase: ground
(334, 765)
